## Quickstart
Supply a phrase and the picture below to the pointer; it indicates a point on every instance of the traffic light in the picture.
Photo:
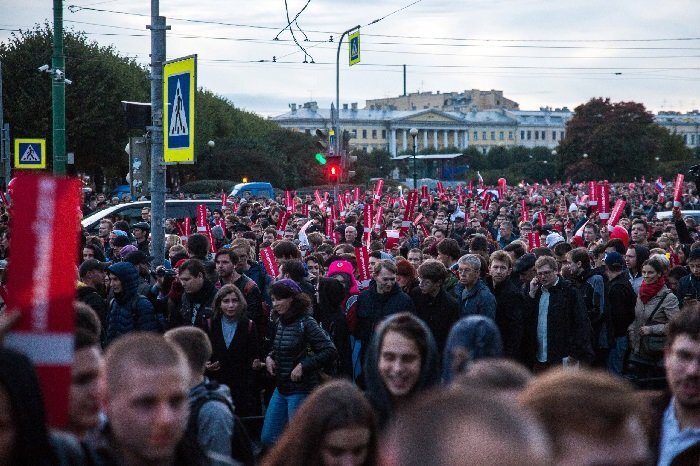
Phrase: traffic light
(326, 141)
(333, 169)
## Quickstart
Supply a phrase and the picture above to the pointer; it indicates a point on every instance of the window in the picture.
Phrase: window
(354, 133)
(307, 131)
(692, 139)
(554, 135)
(522, 135)
(561, 135)
(544, 136)
(493, 135)
(374, 134)
(476, 135)
(529, 135)
(685, 138)
(383, 134)
(510, 135)
(537, 136)
(483, 135)
(500, 135)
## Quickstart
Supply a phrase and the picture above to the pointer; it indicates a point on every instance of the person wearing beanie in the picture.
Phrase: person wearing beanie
(471, 338)
(128, 310)
(300, 350)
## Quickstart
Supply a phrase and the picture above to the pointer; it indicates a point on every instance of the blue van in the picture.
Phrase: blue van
(256, 189)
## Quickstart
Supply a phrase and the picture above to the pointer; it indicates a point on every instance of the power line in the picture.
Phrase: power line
(393, 12)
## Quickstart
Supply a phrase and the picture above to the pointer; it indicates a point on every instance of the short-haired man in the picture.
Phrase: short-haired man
(383, 298)
(103, 232)
(620, 300)
(434, 304)
(591, 233)
(351, 237)
(591, 417)
(415, 257)
(473, 296)
(196, 302)
(505, 233)
(639, 232)
(140, 231)
(214, 417)
(558, 330)
(689, 286)
(676, 434)
(146, 404)
(448, 253)
(510, 304)
(92, 288)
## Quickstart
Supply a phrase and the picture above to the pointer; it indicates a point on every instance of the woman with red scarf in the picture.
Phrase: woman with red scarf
(656, 304)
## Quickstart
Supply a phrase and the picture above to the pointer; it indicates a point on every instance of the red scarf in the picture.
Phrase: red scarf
(649, 290)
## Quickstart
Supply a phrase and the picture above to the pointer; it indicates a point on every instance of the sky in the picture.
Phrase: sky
(538, 52)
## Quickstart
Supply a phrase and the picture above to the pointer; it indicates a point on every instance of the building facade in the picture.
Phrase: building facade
(685, 125)
(467, 101)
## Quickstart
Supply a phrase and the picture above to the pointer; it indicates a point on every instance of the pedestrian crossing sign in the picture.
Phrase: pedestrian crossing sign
(354, 47)
(179, 86)
(30, 153)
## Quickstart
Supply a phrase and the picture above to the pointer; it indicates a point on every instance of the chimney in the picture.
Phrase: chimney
(354, 106)
(345, 106)
(293, 107)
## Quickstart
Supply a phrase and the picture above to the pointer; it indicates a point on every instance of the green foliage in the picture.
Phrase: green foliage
(621, 139)
(95, 129)
(207, 186)
(375, 164)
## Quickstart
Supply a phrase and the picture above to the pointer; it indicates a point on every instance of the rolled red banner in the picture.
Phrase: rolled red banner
(367, 223)
(224, 199)
(201, 218)
(616, 213)
(282, 223)
(356, 194)
(541, 218)
(424, 194)
(269, 261)
(378, 189)
(317, 197)
(362, 257)
(603, 197)
(678, 191)
(524, 214)
(533, 240)
(485, 200)
(592, 196)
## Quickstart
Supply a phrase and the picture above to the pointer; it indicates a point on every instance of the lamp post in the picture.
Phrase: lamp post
(414, 133)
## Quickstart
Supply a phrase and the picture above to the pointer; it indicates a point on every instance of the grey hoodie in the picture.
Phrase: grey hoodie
(215, 420)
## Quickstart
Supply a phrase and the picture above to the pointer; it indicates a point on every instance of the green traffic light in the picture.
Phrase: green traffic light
(320, 158)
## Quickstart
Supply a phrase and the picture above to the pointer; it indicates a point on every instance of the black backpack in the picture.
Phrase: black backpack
(242, 449)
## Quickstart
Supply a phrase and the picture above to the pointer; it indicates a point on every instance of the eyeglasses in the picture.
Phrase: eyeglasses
(544, 273)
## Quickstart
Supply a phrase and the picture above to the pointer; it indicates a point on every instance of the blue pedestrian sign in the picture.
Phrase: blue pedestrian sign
(179, 85)
(30, 153)
(354, 47)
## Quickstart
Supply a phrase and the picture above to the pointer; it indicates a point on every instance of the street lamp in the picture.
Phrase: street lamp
(585, 156)
(414, 133)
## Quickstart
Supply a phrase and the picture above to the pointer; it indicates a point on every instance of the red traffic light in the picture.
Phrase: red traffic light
(333, 173)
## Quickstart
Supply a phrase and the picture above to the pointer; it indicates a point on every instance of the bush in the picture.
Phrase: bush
(207, 186)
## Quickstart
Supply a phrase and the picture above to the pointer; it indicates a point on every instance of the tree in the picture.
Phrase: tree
(621, 141)
(95, 128)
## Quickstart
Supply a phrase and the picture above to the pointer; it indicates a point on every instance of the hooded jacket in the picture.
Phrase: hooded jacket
(129, 311)
(478, 335)
(373, 307)
(379, 397)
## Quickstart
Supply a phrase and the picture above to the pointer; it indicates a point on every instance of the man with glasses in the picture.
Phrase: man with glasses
(676, 439)
(558, 331)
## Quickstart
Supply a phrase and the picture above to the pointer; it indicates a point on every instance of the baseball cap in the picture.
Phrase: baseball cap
(614, 258)
(142, 226)
(91, 264)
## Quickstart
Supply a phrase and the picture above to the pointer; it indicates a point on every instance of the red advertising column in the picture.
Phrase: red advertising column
(45, 212)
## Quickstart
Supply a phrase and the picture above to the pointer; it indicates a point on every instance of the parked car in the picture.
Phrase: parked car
(131, 212)
(256, 189)
(666, 214)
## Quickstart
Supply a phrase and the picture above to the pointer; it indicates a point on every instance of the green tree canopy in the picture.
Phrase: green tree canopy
(621, 141)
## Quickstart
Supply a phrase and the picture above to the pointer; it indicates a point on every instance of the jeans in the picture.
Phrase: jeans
(616, 356)
(279, 412)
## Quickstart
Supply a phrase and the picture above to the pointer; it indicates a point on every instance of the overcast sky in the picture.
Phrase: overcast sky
(539, 52)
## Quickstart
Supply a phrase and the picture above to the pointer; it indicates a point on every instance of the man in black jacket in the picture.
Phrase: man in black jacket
(383, 298)
(92, 289)
(434, 305)
(557, 329)
(510, 305)
(620, 300)
(196, 305)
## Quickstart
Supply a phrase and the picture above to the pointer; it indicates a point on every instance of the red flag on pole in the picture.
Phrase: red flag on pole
(45, 211)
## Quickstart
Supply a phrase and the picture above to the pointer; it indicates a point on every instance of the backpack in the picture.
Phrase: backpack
(242, 449)
(133, 307)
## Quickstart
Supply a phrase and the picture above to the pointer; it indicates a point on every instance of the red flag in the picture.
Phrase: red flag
(379, 219)
(224, 199)
(201, 218)
(533, 240)
(367, 223)
(378, 189)
(603, 198)
(408, 213)
(269, 261)
(282, 223)
(678, 191)
(288, 200)
(392, 238)
(592, 196)
(187, 226)
(40, 286)
(616, 212)
(362, 257)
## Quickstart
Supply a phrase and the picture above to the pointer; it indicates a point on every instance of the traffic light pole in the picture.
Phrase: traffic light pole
(336, 125)
(58, 92)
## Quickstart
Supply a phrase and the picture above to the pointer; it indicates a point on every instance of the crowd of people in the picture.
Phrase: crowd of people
(473, 328)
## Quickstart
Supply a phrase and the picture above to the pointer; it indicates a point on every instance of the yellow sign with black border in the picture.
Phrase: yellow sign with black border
(179, 89)
(30, 153)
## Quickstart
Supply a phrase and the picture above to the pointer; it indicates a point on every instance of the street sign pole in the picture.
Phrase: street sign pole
(158, 29)
(336, 123)
(58, 92)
